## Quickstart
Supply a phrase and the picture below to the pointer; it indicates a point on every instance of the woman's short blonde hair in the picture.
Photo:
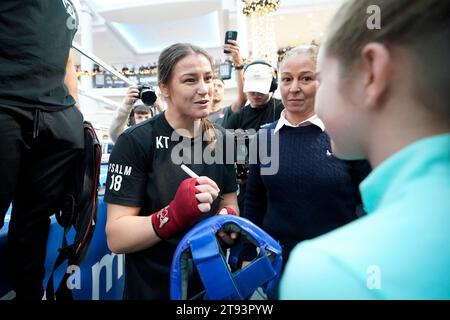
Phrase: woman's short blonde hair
(309, 50)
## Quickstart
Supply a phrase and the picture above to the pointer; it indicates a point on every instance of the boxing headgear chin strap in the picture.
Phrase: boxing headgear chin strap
(200, 247)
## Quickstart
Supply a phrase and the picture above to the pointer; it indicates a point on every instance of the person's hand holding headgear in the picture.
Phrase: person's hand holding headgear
(193, 197)
(199, 256)
(227, 210)
(227, 238)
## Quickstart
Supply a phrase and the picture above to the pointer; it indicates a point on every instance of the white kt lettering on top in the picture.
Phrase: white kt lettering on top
(159, 142)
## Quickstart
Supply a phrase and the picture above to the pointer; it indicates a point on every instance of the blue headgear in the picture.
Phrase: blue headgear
(199, 252)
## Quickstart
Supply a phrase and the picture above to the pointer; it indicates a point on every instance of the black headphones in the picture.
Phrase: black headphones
(274, 83)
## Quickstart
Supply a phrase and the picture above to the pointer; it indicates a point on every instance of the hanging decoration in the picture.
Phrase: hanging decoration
(260, 7)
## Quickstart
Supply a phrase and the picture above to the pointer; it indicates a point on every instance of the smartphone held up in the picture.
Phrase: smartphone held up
(230, 35)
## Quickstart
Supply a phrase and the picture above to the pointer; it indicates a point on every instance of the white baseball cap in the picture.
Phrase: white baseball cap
(258, 78)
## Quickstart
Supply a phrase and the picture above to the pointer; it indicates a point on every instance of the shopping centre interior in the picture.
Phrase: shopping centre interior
(129, 35)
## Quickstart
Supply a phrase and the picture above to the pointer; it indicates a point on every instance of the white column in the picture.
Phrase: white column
(87, 43)
(242, 28)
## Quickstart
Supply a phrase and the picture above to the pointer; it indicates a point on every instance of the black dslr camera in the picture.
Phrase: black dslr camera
(242, 139)
(242, 172)
(147, 94)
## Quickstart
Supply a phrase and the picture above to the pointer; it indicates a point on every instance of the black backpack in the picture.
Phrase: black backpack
(79, 209)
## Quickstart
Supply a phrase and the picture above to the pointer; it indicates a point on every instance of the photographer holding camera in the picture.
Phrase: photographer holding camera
(133, 111)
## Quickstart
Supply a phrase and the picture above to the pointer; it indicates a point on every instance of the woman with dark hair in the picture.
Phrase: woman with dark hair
(151, 204)
(384, 96)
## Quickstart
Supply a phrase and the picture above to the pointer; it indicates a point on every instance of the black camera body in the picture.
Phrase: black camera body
(242, 172)
(242, 140)
(147, 94)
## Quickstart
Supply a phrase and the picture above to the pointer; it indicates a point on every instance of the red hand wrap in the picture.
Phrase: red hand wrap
(229, 211)
(181, 213)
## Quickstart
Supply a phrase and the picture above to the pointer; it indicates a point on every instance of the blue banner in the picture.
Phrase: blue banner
(99, 277)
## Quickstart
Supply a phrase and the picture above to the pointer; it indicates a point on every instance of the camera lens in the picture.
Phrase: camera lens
(147, 95)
